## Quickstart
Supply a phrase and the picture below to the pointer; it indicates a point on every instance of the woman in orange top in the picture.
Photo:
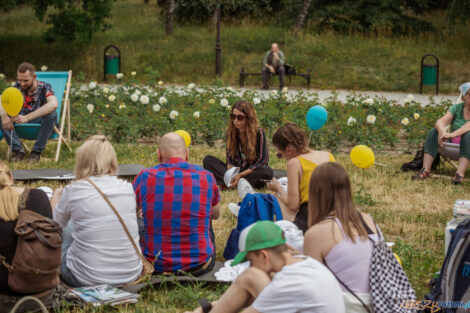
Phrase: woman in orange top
(291, 143)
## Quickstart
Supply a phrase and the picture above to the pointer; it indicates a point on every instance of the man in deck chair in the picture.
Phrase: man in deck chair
(178, 202)
(39, 106)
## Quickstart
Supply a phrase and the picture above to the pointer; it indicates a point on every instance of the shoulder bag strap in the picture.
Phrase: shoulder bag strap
(137, 250)
(349, 289)
(368, 230)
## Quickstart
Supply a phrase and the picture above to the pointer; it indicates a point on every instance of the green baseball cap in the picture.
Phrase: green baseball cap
(259, 235)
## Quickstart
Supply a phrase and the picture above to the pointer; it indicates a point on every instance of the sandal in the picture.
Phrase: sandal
(458, 179)
(422, 174)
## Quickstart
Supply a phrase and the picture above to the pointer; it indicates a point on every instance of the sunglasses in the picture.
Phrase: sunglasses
(238, 117)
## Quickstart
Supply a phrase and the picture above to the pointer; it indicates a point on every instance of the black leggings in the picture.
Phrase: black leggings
(218, 168)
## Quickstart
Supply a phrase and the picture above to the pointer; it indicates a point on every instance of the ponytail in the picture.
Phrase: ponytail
(8, 196)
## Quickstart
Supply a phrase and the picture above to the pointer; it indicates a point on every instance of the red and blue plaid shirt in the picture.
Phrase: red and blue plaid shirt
(176, 199)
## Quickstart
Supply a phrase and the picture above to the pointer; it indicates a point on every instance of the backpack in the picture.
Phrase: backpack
(417, 162)
(390, 289)
(453, 283)
(36, 263)
(254, 207)
(290, 69)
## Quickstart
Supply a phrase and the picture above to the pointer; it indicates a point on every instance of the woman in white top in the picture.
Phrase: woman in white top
(98, 251)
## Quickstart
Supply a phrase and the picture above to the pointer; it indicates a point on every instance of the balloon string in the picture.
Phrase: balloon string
(11, 141)
(309, 137)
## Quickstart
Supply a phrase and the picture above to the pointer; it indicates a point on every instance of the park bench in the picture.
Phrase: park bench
(244, 74)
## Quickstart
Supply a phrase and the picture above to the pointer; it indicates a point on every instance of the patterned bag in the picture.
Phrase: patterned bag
(389, 286)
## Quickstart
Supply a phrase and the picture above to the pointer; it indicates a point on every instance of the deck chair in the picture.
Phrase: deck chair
(450, 151)
(60, 82)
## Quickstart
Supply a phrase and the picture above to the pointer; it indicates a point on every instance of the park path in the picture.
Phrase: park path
(341, 95)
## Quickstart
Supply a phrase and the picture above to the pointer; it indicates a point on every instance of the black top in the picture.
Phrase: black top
(262, 154)
(38, 202)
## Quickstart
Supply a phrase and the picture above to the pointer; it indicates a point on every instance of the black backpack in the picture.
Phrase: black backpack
(290, 69)
(451, 290)
(417, 162)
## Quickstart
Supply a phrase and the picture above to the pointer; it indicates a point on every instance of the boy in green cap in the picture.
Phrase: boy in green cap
(277, 281)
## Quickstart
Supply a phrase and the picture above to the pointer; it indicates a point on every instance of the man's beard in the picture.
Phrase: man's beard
(28, 88)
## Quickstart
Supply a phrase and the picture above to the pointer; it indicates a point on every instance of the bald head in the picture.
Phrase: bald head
(274, 47)
(172, 146)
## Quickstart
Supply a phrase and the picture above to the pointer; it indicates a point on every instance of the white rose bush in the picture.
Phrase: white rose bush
(126, 111)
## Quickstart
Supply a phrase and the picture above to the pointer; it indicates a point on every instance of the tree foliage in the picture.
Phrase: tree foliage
(389, 16)
(458, 12)
(71, 20)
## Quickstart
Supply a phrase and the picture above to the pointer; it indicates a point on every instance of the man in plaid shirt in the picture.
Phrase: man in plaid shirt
(178, 202)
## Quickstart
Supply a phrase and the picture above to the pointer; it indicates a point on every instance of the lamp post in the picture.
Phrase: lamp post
(218, 48)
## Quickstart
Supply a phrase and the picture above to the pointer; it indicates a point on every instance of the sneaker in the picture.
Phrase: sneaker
(234, 208)
(17, 155)
(458, 179)
(422, 174)
(244, 188)
(34, 156)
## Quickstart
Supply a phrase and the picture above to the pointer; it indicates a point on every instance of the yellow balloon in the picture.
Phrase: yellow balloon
(398, 258)
(12, 101)
(186, 136)
(362, 156)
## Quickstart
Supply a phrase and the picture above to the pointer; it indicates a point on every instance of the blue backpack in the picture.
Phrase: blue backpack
(254, 207)
(451, 290)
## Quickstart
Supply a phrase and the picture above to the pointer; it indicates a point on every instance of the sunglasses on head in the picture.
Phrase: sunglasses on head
(237, 116)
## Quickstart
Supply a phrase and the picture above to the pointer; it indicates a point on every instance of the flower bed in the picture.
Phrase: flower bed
(128, 111)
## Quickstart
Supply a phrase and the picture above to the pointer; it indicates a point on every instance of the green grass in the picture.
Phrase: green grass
(411, 214)
(360, 62)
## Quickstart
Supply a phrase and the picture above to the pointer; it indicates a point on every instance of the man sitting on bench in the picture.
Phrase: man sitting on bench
(273, 63)
(39, 106)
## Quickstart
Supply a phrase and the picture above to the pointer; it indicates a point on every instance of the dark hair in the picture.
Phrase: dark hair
(250, 131)
(25, 66)
(330, 195)
(291, 134)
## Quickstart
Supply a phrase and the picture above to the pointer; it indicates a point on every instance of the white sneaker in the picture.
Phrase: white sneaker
(244, 188)
(234, 208)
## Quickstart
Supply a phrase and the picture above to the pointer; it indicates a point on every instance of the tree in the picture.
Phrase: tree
(303, 14)
(71, 20)
(170, 17)
(458, 12)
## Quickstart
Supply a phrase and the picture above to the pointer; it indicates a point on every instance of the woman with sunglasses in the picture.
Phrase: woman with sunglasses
(291, 143)
(246, 148)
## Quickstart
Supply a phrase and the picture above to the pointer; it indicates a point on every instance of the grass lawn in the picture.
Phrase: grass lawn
(411, 214)
(349, 61)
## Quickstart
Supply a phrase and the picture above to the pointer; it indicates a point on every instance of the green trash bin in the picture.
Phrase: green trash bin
(112, 64)
(429, 73)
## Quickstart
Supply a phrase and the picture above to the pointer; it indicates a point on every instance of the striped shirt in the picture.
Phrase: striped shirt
(176, 200)
(262, 154)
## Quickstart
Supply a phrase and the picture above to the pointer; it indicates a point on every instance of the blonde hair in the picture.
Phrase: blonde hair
(8, 196)
(96, 157)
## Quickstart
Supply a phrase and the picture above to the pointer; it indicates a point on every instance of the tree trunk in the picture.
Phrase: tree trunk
(169, 17)
(302, 14)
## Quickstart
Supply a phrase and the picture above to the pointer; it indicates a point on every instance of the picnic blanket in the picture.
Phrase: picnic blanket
(208, 277)
(125, 170)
